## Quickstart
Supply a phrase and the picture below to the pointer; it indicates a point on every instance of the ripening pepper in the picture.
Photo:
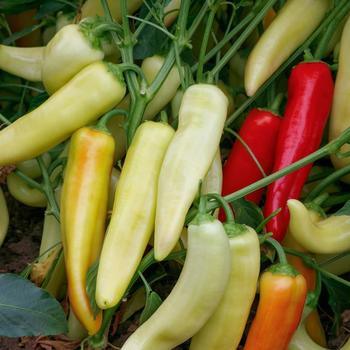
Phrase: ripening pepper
(83, 214)
(282, 298)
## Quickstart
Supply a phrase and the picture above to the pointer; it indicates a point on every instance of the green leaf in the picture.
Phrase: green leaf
(345, 210)
(247, 213)
(26, 310)
(91, 287)
(338, 298)
(153, 301)
(17, 6)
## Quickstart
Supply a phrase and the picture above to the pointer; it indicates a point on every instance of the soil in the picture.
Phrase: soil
(21, 247)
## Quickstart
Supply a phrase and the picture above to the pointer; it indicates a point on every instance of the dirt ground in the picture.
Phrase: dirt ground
(21, 247)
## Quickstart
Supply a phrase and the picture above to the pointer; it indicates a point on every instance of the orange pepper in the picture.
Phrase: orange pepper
(282, 298)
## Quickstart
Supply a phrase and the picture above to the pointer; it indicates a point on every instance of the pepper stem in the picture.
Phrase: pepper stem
(279, 250)
(224, 204)
(102, 123)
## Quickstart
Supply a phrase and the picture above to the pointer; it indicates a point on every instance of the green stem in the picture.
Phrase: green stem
(243, 37)
(279, 250)
(251, 153)
(326, 37)
(336, 200)
(325, 23)
(328, 149)
(323, 184)
(247, 19)
(32, 183)
(102, 123)
(49, 192)
(267, 219)
(223, 203)
(4, 119)
(204, 45)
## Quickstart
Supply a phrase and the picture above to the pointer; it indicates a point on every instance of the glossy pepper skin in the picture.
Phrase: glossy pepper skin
(340, 116)
(92, 92)
(259, 131)
(290, 28)
(83, 214)
(281, 303)
(196, 294)
(133, 214)
(225, 327)
(310, 92)
(26, 63)
(327, 236)
(189, 156)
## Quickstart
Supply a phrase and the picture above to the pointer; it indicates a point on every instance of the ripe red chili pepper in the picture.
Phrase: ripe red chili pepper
(310, 92)
(259, 132)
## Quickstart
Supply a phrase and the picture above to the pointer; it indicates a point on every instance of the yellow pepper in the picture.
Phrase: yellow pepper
(330, 235)
(4, 217)
(133, 213)
(91, 93)
(289, 29)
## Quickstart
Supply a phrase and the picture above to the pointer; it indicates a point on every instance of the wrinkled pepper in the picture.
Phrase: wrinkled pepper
(133, 214)
(310, 92)
(92, 92)
(290, 28)
(340, 115)
(196, 294)
(225, 327)
(83, 214)
(282, 297)
(189, 156)
(4, 217)
(327, 236)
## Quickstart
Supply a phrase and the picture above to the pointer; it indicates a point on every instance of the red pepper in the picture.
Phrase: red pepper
(259, 132)
(310, 92)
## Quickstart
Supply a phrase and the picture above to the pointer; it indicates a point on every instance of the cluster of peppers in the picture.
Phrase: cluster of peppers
(160, 177)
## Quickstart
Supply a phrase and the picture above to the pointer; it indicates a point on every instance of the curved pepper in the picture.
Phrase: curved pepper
(91, 93)
(282, 298)
(132, 220)
(290, 28)
(26, 63)
(4, 217)
(196, 294)
(187, 160)
(150, 67)
(67, 53)
(310, 92)
(302, 341)
(259, 131)
(340, 115)
(24, 193)
(327, 236)
(83, 213)
(225, 327)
